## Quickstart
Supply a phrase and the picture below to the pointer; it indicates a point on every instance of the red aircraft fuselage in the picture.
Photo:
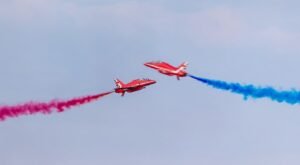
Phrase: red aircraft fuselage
(168, 69)
(132, 86)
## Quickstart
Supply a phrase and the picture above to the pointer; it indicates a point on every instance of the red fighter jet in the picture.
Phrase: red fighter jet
(168, 69)
(133, 86)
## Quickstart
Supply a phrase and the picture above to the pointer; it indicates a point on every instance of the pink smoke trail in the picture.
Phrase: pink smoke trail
(45, 107)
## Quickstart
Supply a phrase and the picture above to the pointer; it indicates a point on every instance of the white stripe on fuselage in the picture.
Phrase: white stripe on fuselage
(164, 69)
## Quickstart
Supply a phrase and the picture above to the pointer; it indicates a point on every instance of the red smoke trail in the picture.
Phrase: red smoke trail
(47, 107)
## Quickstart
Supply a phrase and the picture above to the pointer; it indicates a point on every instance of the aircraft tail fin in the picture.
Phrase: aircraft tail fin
(119, 83)
(183, 66)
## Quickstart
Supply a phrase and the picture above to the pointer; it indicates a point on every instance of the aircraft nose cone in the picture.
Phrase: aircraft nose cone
(147, 64)
(150, 65)
(152, 81)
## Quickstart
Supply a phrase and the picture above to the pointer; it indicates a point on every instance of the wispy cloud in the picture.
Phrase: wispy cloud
(217, 25)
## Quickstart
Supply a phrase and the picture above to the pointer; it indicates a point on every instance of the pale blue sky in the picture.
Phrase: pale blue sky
(60, 49)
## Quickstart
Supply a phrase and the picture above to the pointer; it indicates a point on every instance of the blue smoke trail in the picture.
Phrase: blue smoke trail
(291, 97)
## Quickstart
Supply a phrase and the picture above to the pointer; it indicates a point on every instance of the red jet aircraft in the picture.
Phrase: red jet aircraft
(168, 69)
(133, 86)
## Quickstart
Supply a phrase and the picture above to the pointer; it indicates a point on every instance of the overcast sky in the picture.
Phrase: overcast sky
(65, 48)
